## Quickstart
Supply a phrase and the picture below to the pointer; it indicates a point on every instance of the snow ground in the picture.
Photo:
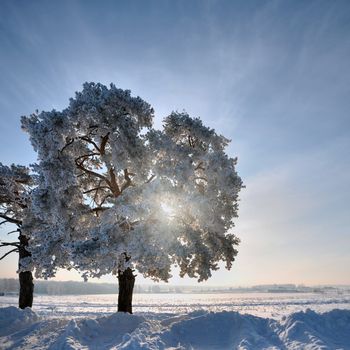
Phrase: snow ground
(268, 305)
(196, 322)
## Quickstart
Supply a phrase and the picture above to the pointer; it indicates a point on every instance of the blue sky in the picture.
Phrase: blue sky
(273, 76)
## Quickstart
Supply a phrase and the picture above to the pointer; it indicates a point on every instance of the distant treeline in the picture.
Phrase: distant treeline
(54, 287)
(11, 285)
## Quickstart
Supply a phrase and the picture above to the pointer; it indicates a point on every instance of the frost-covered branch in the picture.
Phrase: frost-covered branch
(93, 173)
(104, 141)
(96, 189)
(89, 140)
(127, 179)
(114, 187)
(150, 179)
(85, 156)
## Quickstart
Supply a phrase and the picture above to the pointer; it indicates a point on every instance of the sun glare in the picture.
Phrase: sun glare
(168, 210)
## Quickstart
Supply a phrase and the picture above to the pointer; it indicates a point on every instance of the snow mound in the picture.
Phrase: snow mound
(13, 319)
(99, 333)
(202, 330)
(223, 330)
(330, 330)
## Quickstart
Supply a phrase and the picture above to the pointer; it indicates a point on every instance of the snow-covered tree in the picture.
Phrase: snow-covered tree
(116, 195)
(15, 186)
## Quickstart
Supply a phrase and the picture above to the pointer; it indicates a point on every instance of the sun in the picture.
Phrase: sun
(168, 210)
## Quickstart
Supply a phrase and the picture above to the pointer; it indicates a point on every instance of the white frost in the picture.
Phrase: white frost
(114, 193)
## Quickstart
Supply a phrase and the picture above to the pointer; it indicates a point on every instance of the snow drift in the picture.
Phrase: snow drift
(24, 329)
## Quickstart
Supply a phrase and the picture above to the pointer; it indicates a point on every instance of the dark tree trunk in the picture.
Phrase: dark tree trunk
(25, 290)
(26, 285)
(126, 286)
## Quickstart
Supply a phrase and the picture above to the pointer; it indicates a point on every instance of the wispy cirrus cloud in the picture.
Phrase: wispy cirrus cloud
(272, 76)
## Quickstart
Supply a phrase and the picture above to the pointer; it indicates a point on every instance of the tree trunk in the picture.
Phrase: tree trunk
(25, 290)
(126, 286)
(26, 285)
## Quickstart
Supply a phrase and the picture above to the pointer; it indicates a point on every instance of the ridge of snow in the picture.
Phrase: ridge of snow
(24, 329)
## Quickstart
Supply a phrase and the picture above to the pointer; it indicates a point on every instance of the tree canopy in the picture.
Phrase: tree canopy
(15, 185)
(113, 192)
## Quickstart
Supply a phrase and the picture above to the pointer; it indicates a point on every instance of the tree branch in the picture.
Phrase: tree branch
(114, 185)
(104, 199)
(11, 251)
(87, 155)
(97, 209)
(104, 140)
(95, 195)
(127, 178)
(80, 166)
(189, 140)
(14, 244)
(96, 189)
(13, 231)
(150, 179)
(87, 139)
(200, 166)
(11, 220)
(201, 178)
(66, 145)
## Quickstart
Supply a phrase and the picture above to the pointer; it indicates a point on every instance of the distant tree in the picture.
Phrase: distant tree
(116, 195)
(15, 186)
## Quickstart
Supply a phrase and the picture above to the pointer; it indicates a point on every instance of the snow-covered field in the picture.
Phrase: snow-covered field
(179, 321)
